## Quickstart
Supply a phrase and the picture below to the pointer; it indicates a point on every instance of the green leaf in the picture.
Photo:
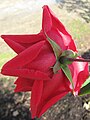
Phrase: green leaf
(67, 72)
(85, 90)
(86, 82)
(56, 48)
(37, 119)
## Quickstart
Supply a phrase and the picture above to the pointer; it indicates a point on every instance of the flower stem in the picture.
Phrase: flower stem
(79, 60)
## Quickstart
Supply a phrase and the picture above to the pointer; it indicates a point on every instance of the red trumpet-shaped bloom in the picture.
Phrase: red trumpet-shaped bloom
(35, 59)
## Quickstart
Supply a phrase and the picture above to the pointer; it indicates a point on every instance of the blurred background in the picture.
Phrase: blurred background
(25, 17)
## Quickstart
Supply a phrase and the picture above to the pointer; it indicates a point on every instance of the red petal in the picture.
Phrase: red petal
(36, 96)
(46, 21)
(33, 38)
(14, 45)
(80, 74)
(19, 42)
(44, 61)
(26, 73)
(25, 57)
(23, 84)
(53, 91)
(56, 30)
(51, 102)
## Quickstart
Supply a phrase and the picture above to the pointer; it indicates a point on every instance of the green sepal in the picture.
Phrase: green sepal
(68, 54)
(56, 48)
(58, 54)
(85, 89)
(56, 67)
(67, 72)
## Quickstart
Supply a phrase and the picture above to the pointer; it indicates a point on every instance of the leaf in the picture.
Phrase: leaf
(86, 82)
(37, 119)
(56, 48)
(85, 90)
(67, 72)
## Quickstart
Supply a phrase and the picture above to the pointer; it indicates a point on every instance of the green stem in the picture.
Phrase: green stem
(79, 60)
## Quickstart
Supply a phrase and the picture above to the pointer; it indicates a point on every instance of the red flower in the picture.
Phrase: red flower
(34, 62)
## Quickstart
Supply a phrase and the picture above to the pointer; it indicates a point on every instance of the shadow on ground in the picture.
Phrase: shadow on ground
(69, 108)
(86, 55)
(82, 7)
(12, 107)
